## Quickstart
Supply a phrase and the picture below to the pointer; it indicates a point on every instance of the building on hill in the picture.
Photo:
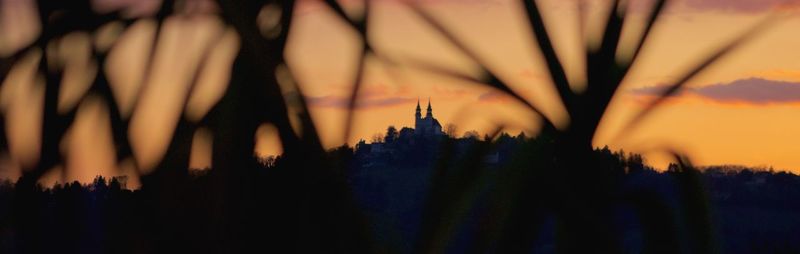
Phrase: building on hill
(427, 126)
(407, 144)
(419, 147)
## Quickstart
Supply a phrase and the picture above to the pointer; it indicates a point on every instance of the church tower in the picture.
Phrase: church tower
(418, 117)
(419, 111)
(430, 110)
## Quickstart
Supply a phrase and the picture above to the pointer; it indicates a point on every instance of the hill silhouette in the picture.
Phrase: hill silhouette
(753, 211)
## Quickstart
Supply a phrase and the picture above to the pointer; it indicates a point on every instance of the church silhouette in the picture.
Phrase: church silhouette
(411, 145)
(427, 126)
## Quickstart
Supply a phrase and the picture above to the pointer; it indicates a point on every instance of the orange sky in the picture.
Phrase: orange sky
(323, 51)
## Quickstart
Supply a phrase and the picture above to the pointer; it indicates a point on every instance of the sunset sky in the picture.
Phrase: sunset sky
(743, 110)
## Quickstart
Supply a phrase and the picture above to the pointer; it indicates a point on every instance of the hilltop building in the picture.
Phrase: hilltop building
(419, 146)
(427, 126)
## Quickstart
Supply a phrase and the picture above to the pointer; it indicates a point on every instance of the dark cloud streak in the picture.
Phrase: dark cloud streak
(341, 102)
(752, 91)
(744, 6)
(492, 96)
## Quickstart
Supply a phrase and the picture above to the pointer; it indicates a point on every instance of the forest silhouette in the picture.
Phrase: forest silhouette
(554, 192)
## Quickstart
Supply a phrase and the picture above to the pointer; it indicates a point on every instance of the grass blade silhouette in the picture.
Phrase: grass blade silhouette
(556, 70)
(493, 81)
(675, 87)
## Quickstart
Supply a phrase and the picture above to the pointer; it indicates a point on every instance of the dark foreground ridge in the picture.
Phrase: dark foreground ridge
(751, 211)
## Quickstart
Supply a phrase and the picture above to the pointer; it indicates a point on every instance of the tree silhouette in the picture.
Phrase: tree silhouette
(450, 130)
(471, 134)
(391, 134)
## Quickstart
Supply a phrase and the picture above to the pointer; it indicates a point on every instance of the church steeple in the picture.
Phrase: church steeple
(430, 110)
(419, 110)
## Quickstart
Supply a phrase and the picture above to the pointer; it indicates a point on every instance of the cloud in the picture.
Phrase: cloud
(492, 96)
(341, 102)
(309, 7)
(746, 6)
(753, 91)
(653, 90)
